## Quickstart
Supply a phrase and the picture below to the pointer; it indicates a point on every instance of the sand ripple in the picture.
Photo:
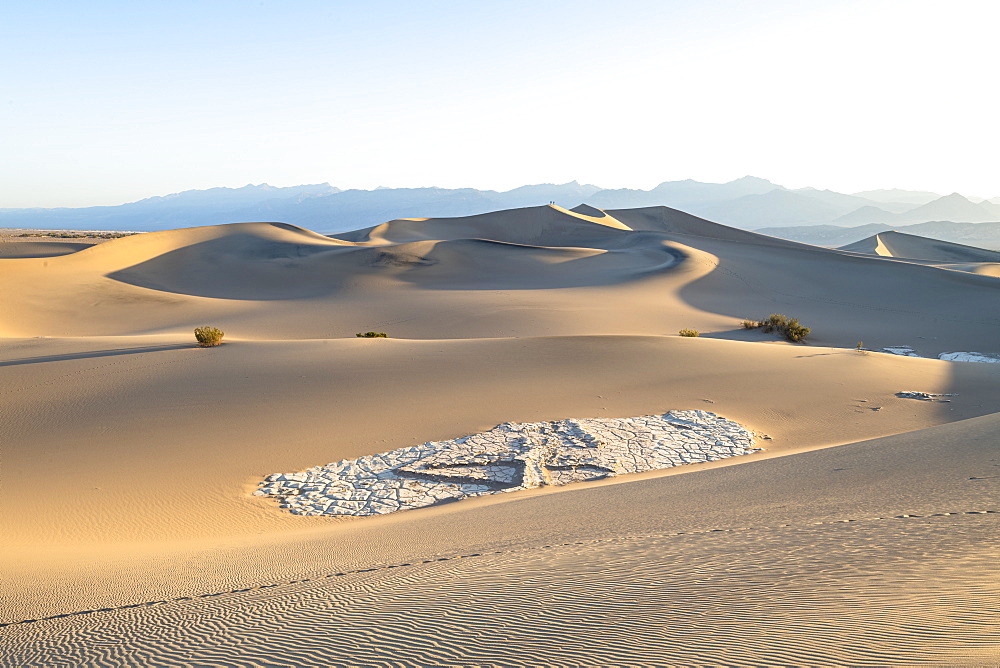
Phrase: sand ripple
(866, 592)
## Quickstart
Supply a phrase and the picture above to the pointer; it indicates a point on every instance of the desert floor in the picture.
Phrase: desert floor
(865, 532)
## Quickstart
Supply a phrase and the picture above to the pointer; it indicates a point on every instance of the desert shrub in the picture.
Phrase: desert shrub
(794, 331)
(689, 332)
(790, 328)
(373, 335)
(774, 322)
(208, 336)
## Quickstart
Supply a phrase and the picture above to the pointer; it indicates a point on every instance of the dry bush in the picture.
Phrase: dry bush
(774, 322)
(689, 332)
(794, 331)
(790, 328)
(208, 336)
(372, 335)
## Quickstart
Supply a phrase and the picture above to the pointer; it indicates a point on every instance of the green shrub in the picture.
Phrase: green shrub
(794, 331)
(373, 335)
(689, 332)
(208, 336)
(790, 328)
(774, 322)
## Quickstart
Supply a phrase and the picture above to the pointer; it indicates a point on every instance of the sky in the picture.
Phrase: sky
(108, 102)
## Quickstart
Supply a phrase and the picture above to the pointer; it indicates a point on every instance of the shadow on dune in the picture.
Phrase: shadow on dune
(752, 335)
(910, 246)
(487, 264)
(243, 266)
(533, 248)
(839, 352)
(114, 352)
(843, 297)
(548, 248)
(38, 249)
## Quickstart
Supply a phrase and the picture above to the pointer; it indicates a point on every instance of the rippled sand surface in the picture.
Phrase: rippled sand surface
(867, 592)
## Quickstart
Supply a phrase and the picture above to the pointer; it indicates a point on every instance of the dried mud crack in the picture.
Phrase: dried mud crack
(511, 456)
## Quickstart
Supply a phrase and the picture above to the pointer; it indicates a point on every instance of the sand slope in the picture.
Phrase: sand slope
(874, 553)
(129, 454)
(144, 440)
(930, 252)
(901, 245)
(35, 249)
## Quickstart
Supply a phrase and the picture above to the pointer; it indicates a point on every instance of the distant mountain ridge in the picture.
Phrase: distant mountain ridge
(952, 207)
(914, 197)
(749, 203)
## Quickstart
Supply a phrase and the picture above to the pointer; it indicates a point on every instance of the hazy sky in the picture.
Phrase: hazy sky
(107, 102)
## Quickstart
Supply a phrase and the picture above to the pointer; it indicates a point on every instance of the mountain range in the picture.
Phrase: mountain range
(749, 203)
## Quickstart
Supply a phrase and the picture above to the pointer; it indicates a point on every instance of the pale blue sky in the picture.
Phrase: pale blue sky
(107, 102)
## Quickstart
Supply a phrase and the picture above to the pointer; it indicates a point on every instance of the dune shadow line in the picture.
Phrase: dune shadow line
(95, 353)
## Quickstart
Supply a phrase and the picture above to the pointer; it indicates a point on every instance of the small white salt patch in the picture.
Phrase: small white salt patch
(906, 351)
(970, 357)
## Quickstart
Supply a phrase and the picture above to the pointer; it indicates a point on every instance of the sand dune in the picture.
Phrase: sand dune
(930, 252)
(492, 276)
(130, 455)
(541, 225)
(983, 268)
(901, 245)
(35, 249)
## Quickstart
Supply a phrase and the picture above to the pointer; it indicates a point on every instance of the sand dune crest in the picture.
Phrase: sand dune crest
(910, 246)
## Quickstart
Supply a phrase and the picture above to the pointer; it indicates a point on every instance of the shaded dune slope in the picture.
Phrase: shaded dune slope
(842, 295)
(469, 264)
(542, 247)
(981, 268)
(910, 246)
(672, 222)
(540, 225)
(35, 249)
